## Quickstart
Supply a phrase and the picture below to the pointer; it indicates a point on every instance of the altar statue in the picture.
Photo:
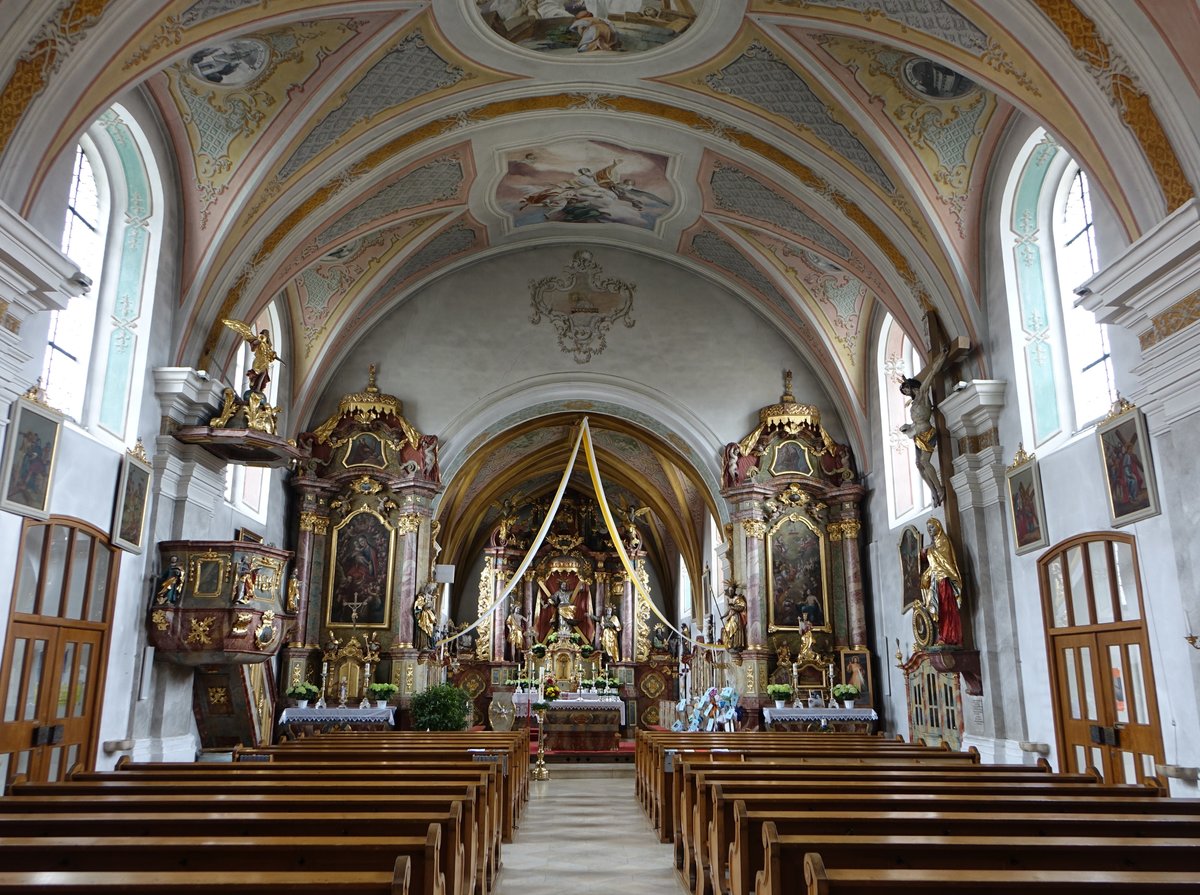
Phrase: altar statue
(733, 631)
(941, 585)
(425, 614)
(564, 608)
(515, 626)
(610, 634)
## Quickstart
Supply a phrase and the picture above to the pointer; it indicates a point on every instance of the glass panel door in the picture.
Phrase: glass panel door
(1079, 683)
(1134, 716)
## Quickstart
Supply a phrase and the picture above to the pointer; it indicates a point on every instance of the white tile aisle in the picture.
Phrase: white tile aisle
(585, 834)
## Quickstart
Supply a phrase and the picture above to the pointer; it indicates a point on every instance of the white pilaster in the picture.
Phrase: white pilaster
(190, 482)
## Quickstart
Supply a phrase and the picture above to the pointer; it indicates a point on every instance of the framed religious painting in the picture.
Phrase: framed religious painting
(1128, 470)
(796, 597)
(27, 470)
(248, 536)
(856, 670)
(133, 489)
(360, 578)
(1025, 504)
(365, 449)
(911, 541)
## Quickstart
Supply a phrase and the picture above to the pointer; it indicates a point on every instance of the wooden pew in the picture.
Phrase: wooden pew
(667, 800)
(746, 851)
(201, 882)
(308, 853)
(217, 773)
(253, 826)
(359, 749)
(696, 779)
(343, 792)
(867, 881)
(223, 803)
(878, 779)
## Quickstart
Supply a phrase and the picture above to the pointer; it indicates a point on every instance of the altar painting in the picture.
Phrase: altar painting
(585, 182)
(796, 576)
(361, 577)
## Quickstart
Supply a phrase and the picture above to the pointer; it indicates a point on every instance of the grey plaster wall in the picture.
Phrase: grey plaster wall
(697, 345)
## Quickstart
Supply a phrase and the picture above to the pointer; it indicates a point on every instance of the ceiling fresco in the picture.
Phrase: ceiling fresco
(585, 182)
(573, 27)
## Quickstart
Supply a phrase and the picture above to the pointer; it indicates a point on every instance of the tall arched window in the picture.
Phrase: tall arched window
(96, 351)
(1076, 262)
(898, 359)
(69, 347)
(1063, 371)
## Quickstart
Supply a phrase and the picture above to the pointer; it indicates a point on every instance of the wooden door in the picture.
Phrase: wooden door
(50, 681)
(1105, 708)
(52, 670)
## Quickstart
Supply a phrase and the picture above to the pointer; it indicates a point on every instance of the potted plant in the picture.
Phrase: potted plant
(847, 693)
(781, 693)
(302, 692)
(538, 650)
(586, 651)
(587, 683)
(381, 693)
(443, 707)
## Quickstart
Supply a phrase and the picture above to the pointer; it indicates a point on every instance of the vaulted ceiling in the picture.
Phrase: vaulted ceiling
(827, 160)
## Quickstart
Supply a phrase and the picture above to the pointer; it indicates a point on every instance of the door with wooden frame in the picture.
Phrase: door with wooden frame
(1105, 704)
(52, 672)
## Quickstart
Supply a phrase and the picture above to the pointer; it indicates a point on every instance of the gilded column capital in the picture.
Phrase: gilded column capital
(314, 522)
(834, 530)
(850, 529)
(755, 528)
(407, 523)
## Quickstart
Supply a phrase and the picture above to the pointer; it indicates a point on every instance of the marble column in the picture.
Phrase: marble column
(846, 502)
(749, 556)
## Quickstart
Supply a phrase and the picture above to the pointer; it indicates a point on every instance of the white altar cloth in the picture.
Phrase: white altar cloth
(571, 701)
(293, 715)
(774, 714)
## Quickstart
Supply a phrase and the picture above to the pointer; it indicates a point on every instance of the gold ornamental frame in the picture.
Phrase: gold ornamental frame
(772, 625)
(196, 563)
(391, 555)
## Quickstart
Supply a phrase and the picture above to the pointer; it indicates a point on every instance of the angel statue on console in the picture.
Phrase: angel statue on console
(259, 373)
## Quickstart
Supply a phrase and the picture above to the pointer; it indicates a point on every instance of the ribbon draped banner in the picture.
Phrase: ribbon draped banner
(585, 438)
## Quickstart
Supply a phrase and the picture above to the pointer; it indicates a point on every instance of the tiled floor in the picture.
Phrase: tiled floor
(584, 833)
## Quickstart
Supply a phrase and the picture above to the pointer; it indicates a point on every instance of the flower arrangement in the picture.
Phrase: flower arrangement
(517, 682)
(576, 638)
(552, 637)
(538, 650)
(586, 683)
(608, 683)
(383, 690)
(550, 690)
(779, 691)
(845, 691)
(586, 650)
(303, 690)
